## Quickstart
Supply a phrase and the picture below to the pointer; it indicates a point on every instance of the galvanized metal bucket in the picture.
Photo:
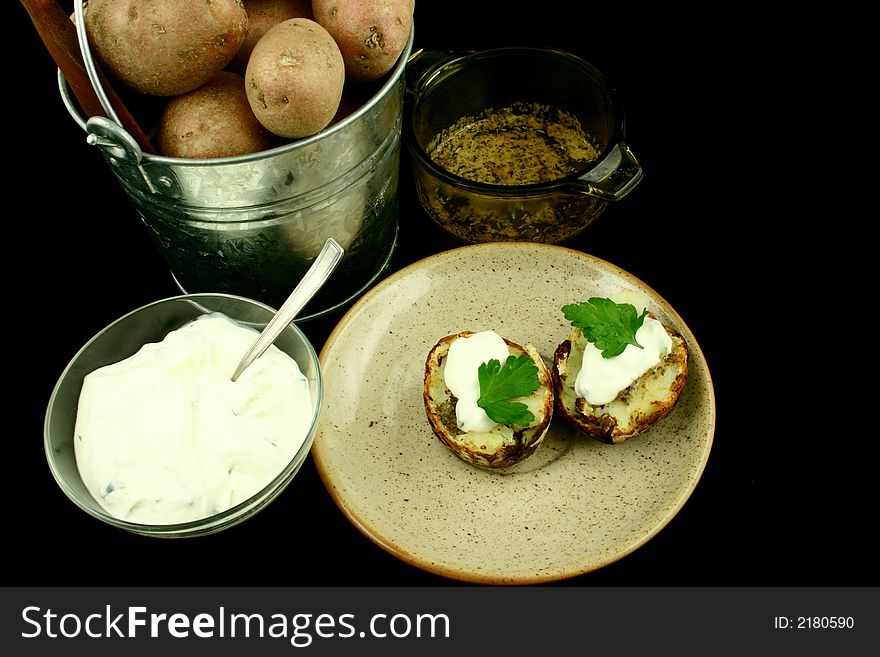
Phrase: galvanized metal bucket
(251, 225)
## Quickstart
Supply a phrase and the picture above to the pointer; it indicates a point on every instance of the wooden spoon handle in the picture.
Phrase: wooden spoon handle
(59, 36)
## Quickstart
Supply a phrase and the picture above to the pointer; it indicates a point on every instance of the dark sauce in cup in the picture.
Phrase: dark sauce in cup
(520, 144)
(515, 144)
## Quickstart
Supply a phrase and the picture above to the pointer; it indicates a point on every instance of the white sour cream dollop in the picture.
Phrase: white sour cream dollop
(601, 379)
(165, 436)
(463, 361)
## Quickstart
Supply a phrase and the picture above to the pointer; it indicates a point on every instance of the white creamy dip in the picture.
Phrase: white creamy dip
(601, 379)
(463, 361)
(165, 436)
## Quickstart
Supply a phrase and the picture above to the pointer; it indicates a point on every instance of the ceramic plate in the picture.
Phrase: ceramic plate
(573, 506)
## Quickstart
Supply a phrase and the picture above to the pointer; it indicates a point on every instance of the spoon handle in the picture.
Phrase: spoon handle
(314, 278)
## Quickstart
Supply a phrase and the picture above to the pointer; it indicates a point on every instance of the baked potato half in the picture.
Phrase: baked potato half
(635, 409)
(503, 445)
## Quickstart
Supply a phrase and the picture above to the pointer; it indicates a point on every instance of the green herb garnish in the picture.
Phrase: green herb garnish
(498, 385)
(610, 326)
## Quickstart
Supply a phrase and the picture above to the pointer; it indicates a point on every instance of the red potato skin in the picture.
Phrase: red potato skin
(294, 78)
(214, 120)
(371, 35)
(165, 48)
(262, 15)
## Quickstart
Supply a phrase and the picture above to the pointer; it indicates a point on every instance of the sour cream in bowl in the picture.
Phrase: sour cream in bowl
(146, 431)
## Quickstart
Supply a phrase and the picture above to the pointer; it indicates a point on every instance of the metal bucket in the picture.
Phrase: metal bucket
(251, 225)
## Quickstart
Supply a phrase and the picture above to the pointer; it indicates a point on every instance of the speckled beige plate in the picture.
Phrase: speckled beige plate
(573, 506)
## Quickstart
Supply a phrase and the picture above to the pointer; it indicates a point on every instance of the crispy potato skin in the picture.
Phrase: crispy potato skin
(600, 422)
(214, 120)
(441, 414)
(165, 48)
(294, 78)
(371, 35)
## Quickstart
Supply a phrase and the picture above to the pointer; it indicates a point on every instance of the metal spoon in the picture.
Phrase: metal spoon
(314, 278)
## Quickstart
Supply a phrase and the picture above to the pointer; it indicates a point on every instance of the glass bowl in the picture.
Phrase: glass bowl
(453, 95)
(124, 337)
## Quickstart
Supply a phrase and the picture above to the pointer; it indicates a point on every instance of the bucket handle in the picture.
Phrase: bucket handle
(117, 145)
(115, 141)
(106, 133)
(110, 103)
(120, 147)
(91, 71)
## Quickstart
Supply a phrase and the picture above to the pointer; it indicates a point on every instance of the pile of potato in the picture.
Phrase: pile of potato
(243, 75)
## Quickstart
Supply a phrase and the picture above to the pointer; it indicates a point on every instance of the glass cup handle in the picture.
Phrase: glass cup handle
(614, 177)
(422, 63)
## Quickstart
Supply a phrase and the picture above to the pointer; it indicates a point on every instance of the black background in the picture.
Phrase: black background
(772, 507)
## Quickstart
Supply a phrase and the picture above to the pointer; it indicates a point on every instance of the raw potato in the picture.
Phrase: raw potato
(165, 48)
(371, 35)
(294, 78)
(504, 445)
(262, 15)
(214, 120)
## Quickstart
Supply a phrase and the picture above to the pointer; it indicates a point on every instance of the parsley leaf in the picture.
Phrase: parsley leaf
(498, 385)
(610, 326)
